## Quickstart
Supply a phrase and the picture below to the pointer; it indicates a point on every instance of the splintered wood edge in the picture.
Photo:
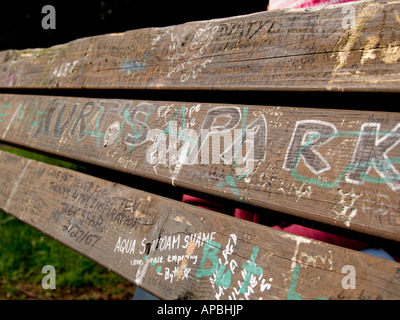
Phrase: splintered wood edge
(347, 47)
(176, 250)
(338, 167)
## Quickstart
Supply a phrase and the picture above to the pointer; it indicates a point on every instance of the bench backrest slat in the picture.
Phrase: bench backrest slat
(324, 48)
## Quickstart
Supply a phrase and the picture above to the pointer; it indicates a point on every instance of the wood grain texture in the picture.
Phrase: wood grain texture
(176, 250)
(304, 49)
(338, 167)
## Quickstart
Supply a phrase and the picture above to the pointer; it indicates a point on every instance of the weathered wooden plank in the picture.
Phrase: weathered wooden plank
(339, 167)
(324, 48)
(175, 250)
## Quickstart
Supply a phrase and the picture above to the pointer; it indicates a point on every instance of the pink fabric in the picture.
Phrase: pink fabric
(238, 213)
(294, 4)
(205, 204)
(246, 215)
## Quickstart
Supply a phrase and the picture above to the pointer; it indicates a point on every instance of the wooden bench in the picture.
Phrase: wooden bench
(146, 109)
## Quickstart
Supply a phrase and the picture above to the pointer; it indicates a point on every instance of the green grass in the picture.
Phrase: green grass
(43, 158)
(25, 250)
